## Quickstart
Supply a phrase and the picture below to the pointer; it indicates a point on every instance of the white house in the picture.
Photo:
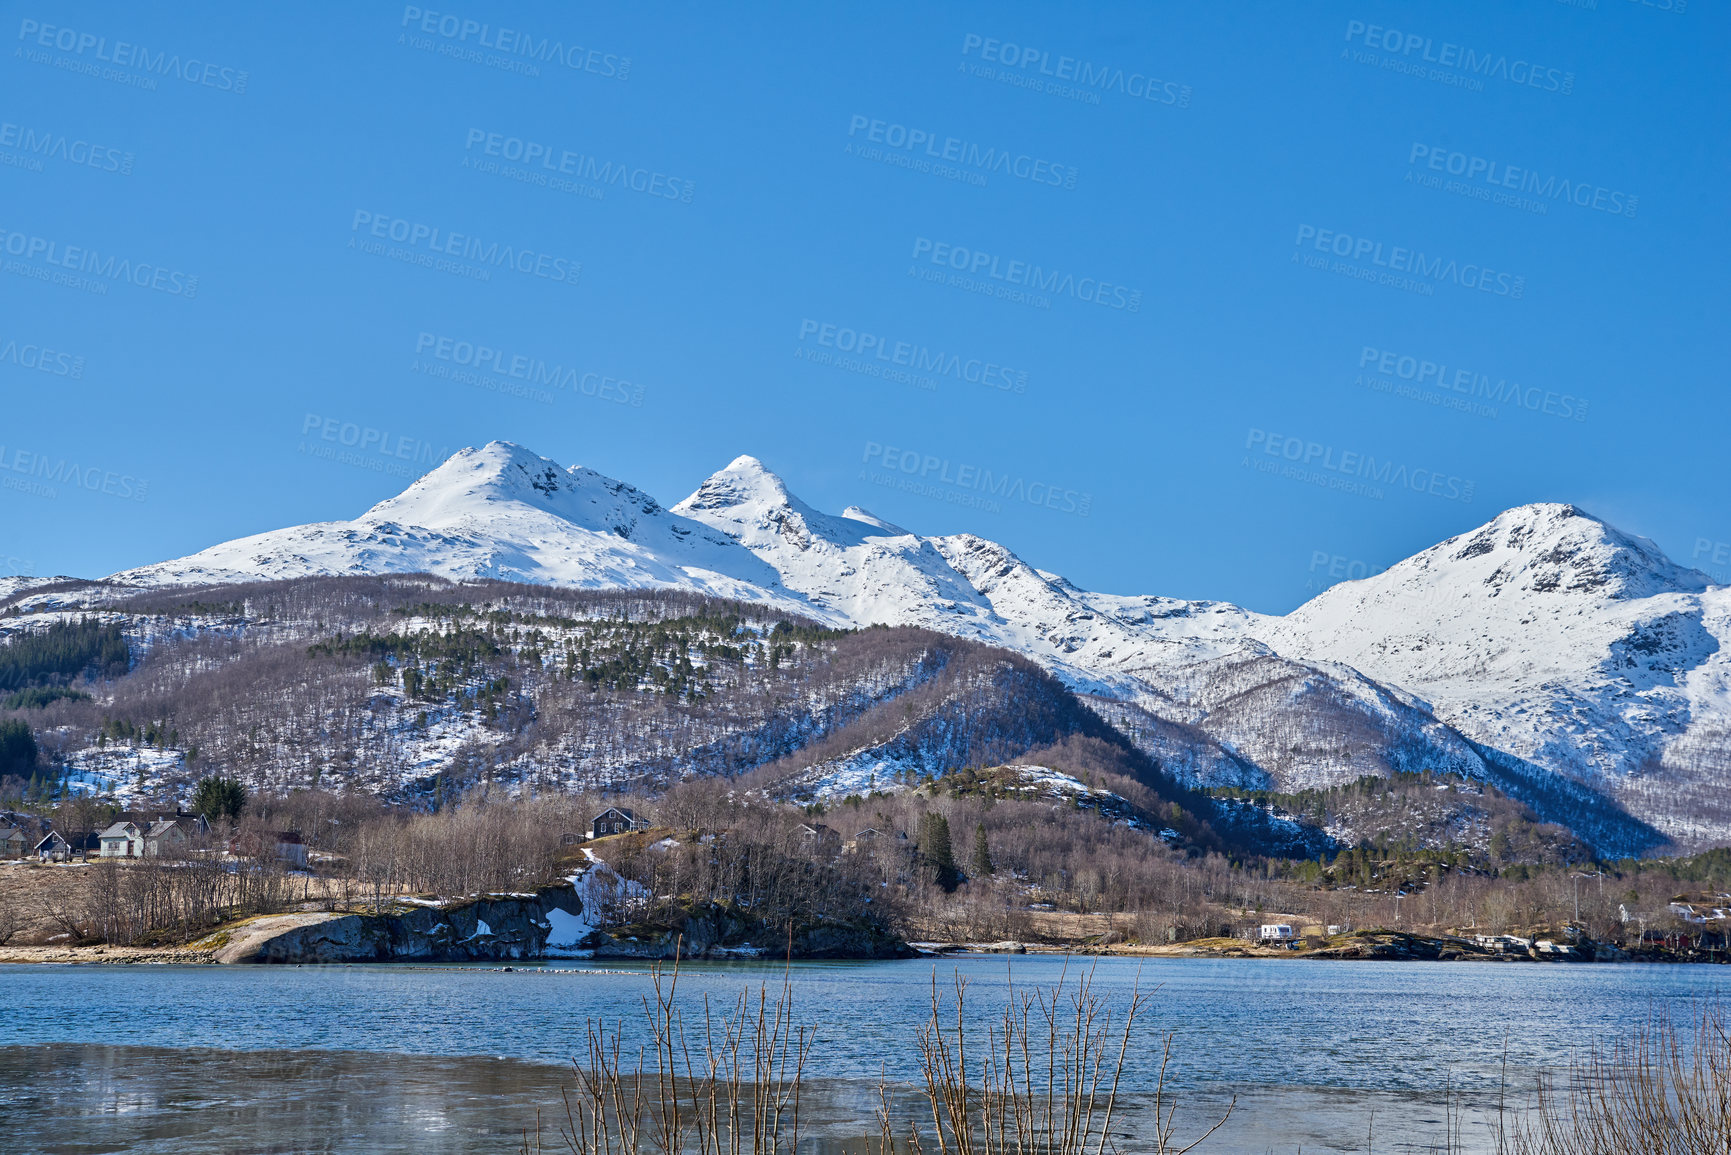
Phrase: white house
(1701, 910)
(153, 839)
(122, 840)
(1277, 932)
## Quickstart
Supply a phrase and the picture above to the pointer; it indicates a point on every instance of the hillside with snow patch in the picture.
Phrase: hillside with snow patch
(1545, 649)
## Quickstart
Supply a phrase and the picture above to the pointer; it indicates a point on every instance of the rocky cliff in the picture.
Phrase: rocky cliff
(547, 924)
(491, 928)
(720, 932)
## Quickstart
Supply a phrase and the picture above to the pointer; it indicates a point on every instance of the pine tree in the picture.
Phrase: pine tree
(17, 748)
(982, 864)
(935, 852)
(219, 798)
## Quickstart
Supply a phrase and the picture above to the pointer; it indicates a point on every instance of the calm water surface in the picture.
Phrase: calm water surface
(455, 1059)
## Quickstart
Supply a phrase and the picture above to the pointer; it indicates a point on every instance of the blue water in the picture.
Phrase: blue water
(1242, 1020)
(1312, 1046)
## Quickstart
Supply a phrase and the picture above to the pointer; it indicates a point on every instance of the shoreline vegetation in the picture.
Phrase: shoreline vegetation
(1045, 1077)
(734, 874)
(605, 914)
(1377, 944)
(1045, 1074)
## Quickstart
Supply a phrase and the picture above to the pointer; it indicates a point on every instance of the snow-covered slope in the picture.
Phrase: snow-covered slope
(868, 570)
(13, 586)
(498, 512)
(1546, 634)
(861, 567)
(1545, 642)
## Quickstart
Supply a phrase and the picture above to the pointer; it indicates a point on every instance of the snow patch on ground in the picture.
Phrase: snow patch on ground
(599, 889)
(861, 775)
(128, 774)
(567, 930)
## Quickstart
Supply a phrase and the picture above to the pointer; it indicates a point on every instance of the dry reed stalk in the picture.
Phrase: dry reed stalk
(1667, 1091)
(1047, 1080)
(1044, 1080)
(728, 1084)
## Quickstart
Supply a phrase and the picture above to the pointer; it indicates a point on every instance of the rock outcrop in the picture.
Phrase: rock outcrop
(720, 932)
(547, 924)
(486, 929)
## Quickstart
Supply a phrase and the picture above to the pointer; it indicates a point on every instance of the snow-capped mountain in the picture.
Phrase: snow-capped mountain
(499, 512)
(868, 570)
(1551, 636)
(1545, 647)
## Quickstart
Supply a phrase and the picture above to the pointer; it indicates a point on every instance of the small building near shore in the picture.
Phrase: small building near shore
(191, 825)
(60, 846)
(1702, 909)
(1502, 943)
(291, 849)
(1281, 932)
(134, 835)
(53, 848)
(158, 838)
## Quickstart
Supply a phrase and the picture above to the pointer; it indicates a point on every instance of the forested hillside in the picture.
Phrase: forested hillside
(418, 690)
(448, 737)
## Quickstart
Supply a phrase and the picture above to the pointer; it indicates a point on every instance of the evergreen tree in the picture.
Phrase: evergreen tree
(982, 864)
(219, 798)
(933, 844)
(62, 652)
(17, 748)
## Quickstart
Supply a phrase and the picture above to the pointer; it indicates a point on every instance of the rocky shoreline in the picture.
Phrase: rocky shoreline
(1369, 945)
(549, 923)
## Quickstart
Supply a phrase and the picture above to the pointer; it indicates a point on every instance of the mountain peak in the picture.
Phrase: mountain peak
(472, 481)
(746, 463)
(745, 482)
(1552, 548)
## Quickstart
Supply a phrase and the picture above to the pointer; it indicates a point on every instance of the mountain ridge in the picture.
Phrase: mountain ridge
(1545, 637)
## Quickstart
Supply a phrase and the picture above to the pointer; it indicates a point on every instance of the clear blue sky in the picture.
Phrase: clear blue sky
(808, 166)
